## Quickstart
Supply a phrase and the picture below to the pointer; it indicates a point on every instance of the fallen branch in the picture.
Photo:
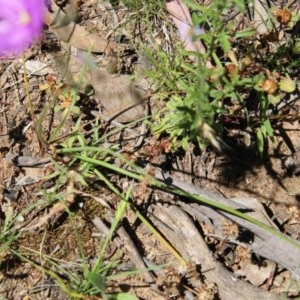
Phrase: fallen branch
(270, 244)
(181, 232)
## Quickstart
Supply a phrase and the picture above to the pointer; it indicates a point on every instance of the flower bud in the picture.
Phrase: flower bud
(270, 86)
(283, 16)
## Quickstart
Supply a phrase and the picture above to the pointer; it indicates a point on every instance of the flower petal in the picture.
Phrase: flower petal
(21, 22)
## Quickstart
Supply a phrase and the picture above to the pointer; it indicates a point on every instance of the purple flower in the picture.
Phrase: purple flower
(21, 22)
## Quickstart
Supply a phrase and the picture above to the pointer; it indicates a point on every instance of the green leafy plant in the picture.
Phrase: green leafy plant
(8, 233)
(200, 96)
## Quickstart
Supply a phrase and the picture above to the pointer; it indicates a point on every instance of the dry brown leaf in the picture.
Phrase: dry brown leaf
(119, 96)
(75, 34)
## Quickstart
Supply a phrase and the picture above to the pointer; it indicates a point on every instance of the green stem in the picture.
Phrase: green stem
(180, 192)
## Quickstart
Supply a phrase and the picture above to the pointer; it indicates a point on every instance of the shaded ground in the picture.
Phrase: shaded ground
(64, 238)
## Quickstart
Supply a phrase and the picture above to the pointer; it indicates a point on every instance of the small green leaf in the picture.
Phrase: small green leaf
(260, 141)
(245, 33)
(97, 280)
(296, 46)
(287, 85)
(274, 98)
(185, 143)
(76, 110)
(268, 127)
(125, 296)
(225, 43)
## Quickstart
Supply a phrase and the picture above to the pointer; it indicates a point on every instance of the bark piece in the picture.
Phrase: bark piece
(178, 228)
(279, 248)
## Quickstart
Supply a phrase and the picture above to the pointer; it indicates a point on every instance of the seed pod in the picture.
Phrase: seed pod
(283, 16)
